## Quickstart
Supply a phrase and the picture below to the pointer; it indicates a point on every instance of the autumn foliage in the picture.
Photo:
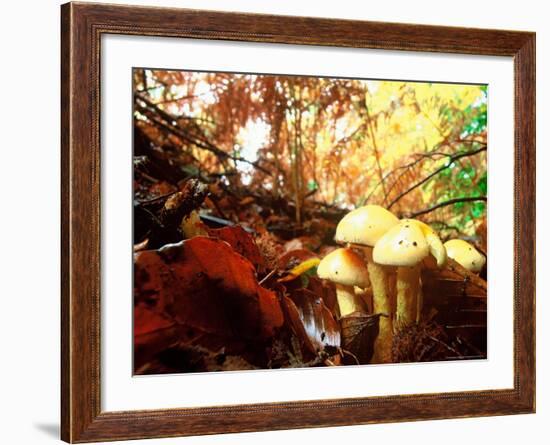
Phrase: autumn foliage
(239, 182)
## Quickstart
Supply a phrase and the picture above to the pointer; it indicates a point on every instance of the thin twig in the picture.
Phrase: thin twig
(267, 277)
(419, 158)
(351, 354)
(446, 203)
(450, 348)
(170, 125)
(375, 148)
(436, 172)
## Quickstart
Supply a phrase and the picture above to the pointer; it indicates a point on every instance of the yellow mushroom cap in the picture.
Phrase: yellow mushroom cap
(365, 225)
(437, 249)
(344, 266)
(465, 254)
(402, 245)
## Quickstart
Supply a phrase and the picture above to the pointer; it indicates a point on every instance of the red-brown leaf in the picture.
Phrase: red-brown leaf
(203, 283)
(242, 242)
(152, 333)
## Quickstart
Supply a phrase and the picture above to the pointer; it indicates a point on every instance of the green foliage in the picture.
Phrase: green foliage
(462, 180)
(312, 185)
(465, 177)
(304, 278)
(477, 116)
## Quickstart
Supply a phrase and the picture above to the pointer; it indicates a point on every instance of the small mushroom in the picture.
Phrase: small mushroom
(405, 246)
(345, 269)
(465, 254)
(362, 228)
(191, 225)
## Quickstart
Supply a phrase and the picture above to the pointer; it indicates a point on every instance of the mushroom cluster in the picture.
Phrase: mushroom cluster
(394, 251)
(362, 228)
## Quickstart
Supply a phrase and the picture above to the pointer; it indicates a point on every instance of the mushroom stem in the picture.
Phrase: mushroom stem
(348, 302)
(381, 304)
(381, 300)
(408, 284)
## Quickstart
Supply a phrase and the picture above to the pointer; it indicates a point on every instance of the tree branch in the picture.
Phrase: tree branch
(436, 172)
(446, 203)
(170, 125)
(419, 158)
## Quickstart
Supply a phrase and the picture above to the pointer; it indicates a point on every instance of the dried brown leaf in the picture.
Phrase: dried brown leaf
(359, 330)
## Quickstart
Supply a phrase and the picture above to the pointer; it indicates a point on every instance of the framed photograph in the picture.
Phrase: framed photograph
(274, 222)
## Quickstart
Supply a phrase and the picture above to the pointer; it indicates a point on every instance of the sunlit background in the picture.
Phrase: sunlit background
(418, 149)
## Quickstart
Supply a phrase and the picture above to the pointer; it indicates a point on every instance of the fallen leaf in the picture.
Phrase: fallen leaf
(303, 242)
(324, 289)
(153, 332)
(301, 268)
(193, 358)
(305, 266)
(359, 330)
(203, 284)
(294, 257)
(312, 321)
(242, 242)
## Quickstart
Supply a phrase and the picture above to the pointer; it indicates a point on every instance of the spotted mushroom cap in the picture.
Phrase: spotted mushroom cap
(365, 225)
(465, 254)
(344, 266)
(437, 249)
(402, 245)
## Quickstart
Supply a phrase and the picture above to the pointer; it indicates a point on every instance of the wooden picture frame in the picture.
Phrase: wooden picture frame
(81, 414)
